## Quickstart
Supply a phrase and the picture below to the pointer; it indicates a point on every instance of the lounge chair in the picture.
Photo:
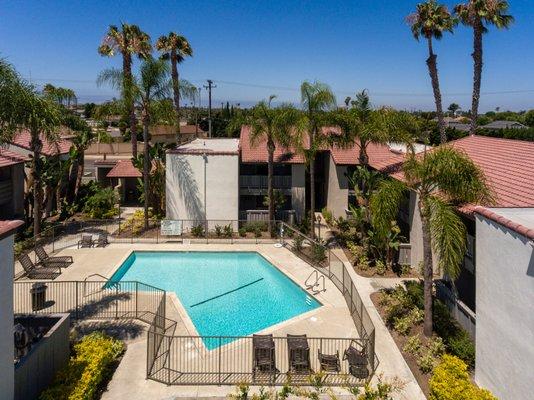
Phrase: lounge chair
(36, 272)
(299, 354)
(86, 241)
(263, 355)
(357, 359)
(55, 261)
(329, 362)
(102, 240)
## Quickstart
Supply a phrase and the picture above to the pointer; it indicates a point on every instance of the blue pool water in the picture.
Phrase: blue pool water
(224, 293)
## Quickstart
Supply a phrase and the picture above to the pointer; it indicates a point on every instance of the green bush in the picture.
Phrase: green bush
(228, 231)
(413, 345)
(91, 365)
(328, 216)
(218, 230)
(319, 253)
(197, 230)
(254, 226)
(242, 232)
(450, 381)
(297, 242)
(101, 205)
(381, 267)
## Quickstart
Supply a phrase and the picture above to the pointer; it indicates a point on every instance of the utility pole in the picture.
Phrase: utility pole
(197, 110)
(209, 87)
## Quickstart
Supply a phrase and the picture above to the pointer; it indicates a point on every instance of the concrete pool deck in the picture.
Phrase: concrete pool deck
(330, 320)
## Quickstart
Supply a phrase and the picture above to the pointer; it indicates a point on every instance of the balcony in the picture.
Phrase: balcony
(257, 184)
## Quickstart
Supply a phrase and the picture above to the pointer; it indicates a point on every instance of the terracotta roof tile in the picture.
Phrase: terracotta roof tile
(124, 169)
(500, 219)
(23, 138)
(8, 227)
(257, 153)
(8, 158)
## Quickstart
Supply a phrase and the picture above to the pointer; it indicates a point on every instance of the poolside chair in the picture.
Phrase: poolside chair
(35, 272)
(357, 359)
(263, 355)
(299, 354)
(55, 261)
(86, 241)
(102, 240)
(329, 362)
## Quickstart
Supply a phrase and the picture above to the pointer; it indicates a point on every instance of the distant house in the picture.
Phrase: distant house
(21, 144)
(11, 185)
(504, 125)
(456, 123)
(167, 133)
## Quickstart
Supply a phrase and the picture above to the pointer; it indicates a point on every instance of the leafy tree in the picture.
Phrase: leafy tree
(128, 40)
(316, 99)
(275, 126)
(175, 48)
(478, 14)
(430, 21)
(528, 118)
(442, 179)
(453, 107)
(89, 110)
(151, 85)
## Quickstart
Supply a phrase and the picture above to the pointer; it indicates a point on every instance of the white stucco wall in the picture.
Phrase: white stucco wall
(505, 311)
(298, 189)
(6, 319)
(186, 180)
(338, 189)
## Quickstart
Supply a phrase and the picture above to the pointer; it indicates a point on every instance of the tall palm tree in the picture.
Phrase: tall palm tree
(478, 14)
(441, 179)
(275, 125)
(150, 85)
(316, 99)
(429, 21)
(175, 48)
(127, 40)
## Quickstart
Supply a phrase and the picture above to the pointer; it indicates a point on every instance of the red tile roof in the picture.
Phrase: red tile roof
(8, 227)
(124, 169)
(23, 138)
(507, 164)
(514, 226)
(8, 158)
(377, 153)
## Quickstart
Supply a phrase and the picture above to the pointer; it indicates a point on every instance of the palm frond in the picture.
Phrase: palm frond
(385, 202)
(113, 77)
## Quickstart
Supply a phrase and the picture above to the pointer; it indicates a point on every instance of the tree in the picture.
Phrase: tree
(478, 14)
(316, 99)
(453, 107)
(175, 48)
(443, 178)
(430, 21)
(275, 126)
(152, 84)
(129, 40)
(529, 118)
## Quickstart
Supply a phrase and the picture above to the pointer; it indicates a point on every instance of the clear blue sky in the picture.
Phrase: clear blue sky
(350, 45)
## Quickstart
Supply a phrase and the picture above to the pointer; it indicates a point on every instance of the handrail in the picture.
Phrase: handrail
(317, 284)
(309, 286)
(114, 284)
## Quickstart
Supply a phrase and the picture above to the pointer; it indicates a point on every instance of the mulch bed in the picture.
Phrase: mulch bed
(371, 271)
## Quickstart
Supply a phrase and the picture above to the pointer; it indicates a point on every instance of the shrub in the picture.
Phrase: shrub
(462, 347)
(218, 230)
(363, 262)
(381, 267)
(242, 232)
(228, 231)
(450, 381)
(197, 231)
(136, 222)
(256, 225)
(404, 324)
(91, 365)
(297, 242)
(319, 253)
(101, 205)
(396, 304)
(328, 216)
(257, 232)
(413, 345)
(356, 250)
(426, 362)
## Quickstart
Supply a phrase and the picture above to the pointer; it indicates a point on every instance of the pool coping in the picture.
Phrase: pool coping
(188, 322)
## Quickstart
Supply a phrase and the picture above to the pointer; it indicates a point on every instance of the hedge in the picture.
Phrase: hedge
(92, 364)
(450, 381)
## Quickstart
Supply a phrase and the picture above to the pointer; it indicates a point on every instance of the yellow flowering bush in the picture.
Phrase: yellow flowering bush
(87, 369)
(450, 381)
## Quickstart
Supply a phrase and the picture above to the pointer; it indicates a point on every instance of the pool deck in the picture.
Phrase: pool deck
(330, 320)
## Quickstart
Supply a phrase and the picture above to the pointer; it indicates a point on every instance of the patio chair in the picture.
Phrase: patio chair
(102, 240)
(299, 354)
(35, 272)
(329, 362)
(55, 261)
(263, 355)
(86, 241)
(357, 359)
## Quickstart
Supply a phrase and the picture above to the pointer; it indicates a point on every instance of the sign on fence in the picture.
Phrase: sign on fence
(171, 227)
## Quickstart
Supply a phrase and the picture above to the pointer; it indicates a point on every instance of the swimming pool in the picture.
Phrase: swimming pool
(224, 293)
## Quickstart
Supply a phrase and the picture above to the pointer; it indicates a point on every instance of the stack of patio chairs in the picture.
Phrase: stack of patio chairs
(263, 355)
(87, 241)
(33, 271)
(356, 356)
(298, 353)
(55, 261)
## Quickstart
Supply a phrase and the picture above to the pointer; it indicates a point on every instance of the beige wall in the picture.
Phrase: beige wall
(185, 182)
(298, 189)
(338, 189)
(6, 319)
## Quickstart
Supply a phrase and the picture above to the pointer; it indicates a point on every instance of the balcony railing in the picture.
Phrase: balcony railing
(260, 181)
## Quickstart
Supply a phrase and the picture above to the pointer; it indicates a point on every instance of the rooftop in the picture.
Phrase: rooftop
(8, 158)
(23, 139)
(209, 146)
(124, 169)
(504, 125)
(520, 220)
(9, 227)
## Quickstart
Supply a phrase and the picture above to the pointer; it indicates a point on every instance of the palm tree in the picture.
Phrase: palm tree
(478, 14)
(316, 99)
(275, 125)
(152, 84)
(442, 179)
(129, 40)
(175, 48)
(430, 21)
